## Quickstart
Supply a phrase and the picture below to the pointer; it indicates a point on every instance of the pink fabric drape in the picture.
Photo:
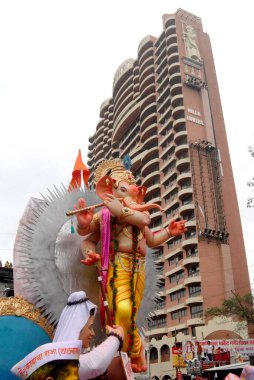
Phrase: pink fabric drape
(105, 242)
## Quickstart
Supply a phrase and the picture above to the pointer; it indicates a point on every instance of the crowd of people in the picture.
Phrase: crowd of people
(6, 265)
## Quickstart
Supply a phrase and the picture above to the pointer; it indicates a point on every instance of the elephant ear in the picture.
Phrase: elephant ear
(104, 186)
(141, 194)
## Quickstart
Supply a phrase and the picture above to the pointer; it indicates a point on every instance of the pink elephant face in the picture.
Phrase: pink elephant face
(125, 190)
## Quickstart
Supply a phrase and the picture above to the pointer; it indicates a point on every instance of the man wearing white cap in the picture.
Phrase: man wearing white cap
(51, 361)
(76, 322)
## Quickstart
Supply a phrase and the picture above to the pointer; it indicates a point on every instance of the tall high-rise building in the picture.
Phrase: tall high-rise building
(165, 112)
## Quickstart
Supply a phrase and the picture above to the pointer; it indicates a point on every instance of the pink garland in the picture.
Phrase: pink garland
(105, 241)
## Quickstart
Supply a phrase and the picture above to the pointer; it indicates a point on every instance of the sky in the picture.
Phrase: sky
(58, 60)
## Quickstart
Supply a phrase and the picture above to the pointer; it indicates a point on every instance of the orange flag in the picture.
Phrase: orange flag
(76, 174)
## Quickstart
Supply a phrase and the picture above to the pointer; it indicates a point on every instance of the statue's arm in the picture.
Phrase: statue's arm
(173, 229)
(88, 248)
(126, 214)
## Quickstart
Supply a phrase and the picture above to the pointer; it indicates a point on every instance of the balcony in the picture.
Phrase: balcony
(175, 288)
(173, 253)
(150, 154)
(171, 39)
(181, 149)
(174, 68)
(195, 321)
(152, 189)
(147, 110)
(160, 312)
(173, 58)
(192, 279)
(149, 61)
(177, 100)
(176, 307)
(179, 124)
(156, 331)
(173, 48)
(172, 202)
(149, 132)
(148, 121)
(179, 135)
(194, 300)
(168, 160)
(183, 193)
(149, 179)
(183, 177)
(191, 223)
(173, 271)
(129, 114)
(183, 163)
(174, 79)
(191, 260)
(149, 167)
(181, 326)
(150, 79)
(151, 141)
(164, 94)
(189, 242)
(186, 208)
(145, 52)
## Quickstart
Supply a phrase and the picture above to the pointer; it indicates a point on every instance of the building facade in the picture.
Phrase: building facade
(165, 112)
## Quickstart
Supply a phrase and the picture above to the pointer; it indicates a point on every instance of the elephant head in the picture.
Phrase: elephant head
(126, 189)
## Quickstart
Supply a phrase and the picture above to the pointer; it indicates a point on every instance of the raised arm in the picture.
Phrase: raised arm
(173, 229)
(117, 209)
(87, 221)
(97, 361)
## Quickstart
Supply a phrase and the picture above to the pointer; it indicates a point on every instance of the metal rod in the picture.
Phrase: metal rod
(104, 297)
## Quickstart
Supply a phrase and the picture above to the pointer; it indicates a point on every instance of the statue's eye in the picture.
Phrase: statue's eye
(123, 189)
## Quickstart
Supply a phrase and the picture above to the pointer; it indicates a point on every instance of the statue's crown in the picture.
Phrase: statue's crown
(116, 170)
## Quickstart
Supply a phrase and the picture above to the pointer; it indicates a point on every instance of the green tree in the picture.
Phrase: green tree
(250, 200)
(240, 306)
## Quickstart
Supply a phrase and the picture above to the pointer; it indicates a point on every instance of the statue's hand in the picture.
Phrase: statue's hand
(177, 228)
(84, 218)
(91, 258)
(114, 205)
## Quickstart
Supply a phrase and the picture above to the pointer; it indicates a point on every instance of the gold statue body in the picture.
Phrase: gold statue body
(129, 236)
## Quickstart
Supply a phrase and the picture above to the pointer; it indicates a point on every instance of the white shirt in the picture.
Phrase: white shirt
(96, 362)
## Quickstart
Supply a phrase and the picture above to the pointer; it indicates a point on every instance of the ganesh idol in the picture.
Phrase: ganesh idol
(122, 228)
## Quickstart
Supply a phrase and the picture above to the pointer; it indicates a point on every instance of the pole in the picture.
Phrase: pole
(105, 302)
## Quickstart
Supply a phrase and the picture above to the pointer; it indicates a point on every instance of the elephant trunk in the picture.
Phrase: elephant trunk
(145, 207)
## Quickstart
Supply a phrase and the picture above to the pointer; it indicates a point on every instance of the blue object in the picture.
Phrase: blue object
(18, 337)
(127, 162)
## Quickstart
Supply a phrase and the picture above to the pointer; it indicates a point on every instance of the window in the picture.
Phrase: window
(153, 354)
(193, 271)
(175, 259)
(194, 290)
(165, 353)
(192, 252)
(196, 311)
(176, 277)
(177, 295)
(178, 314)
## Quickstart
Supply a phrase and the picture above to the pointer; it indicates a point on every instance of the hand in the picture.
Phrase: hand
(91, 258)
(114, 205)
(84, 218)
(116, 329)
(177, 228)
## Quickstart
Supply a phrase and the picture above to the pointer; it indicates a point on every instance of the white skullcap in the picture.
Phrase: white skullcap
(45, 354)
(74, 316)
